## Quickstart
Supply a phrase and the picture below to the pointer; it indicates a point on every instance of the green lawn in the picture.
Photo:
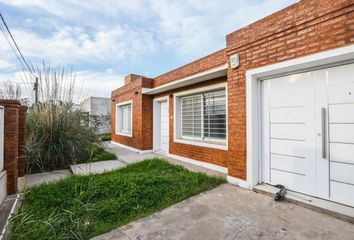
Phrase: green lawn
(101, 154)
(80, 207)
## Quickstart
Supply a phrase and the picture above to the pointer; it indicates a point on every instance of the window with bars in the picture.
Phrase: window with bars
(124, 119)
(203, 116)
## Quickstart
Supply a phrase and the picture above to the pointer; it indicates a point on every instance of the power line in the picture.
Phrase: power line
(18, 49)
(12, 48)
(24, 71)
(24, 64)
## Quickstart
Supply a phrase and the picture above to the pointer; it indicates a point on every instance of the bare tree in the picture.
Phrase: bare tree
(11, 90)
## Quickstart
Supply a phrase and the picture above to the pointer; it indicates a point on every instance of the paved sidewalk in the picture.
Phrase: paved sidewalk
(38, 178)
(230, 213)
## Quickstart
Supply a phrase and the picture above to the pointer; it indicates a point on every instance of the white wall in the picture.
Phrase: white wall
(100, 107)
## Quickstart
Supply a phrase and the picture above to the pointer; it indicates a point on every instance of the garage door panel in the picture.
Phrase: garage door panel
(291, 181)
(340, 75)
(342, 152)
(288, 131)
(290, 83)
(288, 115)
(342, 193)
(338, 113)
(287, 98)
(287, 163)
(288, 147)
(343, 133)
(341, 94)
(342, 172)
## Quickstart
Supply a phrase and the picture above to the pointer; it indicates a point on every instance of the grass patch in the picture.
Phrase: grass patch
(103, 156)
(80, 207)
(104, 137)
(100, 154)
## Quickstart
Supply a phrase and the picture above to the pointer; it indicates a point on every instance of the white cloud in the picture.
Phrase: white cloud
(98, 84)
(185, 27)
(6, 65)
(73, 44)
(100, 36)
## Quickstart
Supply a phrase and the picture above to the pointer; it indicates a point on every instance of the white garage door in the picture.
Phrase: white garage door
(308, 133)
(164, 127)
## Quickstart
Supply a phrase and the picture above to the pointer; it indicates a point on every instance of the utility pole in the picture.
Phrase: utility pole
(36, 92)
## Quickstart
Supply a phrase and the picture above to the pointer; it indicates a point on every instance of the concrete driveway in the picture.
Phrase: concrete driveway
(228, 212)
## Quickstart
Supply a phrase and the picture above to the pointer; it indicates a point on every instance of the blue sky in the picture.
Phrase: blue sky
(108, 39)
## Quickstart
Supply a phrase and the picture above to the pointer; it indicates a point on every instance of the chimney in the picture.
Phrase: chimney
(130, 78)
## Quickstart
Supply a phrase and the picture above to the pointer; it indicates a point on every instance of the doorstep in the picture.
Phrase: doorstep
(333, 209)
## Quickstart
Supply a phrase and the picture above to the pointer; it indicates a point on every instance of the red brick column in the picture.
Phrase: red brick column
(11, 127)
(22, 141)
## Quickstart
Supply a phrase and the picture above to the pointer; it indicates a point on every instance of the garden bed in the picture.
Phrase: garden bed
(80, 207)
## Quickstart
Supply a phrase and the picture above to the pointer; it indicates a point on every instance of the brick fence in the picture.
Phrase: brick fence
(14, 142)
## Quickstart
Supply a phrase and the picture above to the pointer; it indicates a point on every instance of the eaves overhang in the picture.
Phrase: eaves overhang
(193, 79)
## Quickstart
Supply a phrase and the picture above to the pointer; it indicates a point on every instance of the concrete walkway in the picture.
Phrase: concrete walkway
(96, 167)
(38, 178)
(230, 213)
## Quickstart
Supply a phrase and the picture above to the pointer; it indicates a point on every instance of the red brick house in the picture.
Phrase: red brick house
(276, 105)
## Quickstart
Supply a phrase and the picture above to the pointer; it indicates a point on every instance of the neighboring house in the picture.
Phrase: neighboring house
(12, 145)
(283, 115)
(100, 109)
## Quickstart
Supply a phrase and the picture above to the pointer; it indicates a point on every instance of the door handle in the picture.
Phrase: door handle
(323, 127)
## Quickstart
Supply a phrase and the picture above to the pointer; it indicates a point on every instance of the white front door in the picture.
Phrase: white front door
(308, 133)
(164, 138)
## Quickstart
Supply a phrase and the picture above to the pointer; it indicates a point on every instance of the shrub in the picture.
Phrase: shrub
(57, 136)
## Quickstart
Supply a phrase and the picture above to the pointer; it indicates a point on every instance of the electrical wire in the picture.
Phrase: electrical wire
(16, 45)
(24, 65)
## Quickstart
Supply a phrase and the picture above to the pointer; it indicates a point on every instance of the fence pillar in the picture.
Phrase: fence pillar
(11, 117)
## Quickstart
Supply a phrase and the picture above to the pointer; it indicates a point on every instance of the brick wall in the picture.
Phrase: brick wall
(211, 61)
(301, 29)
(14, 142)
(142, 113)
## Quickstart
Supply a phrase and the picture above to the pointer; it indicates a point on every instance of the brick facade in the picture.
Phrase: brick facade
(209, 155)
(142, 113)
(14, 142)
(301, 29)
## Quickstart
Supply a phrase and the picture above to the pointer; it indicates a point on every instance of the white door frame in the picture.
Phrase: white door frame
(157, 120)
(253, 98)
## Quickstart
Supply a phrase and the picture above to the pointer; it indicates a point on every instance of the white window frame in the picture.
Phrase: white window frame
(131, 117)
(177, 136)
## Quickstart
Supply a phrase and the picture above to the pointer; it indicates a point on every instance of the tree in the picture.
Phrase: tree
(11, 91)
